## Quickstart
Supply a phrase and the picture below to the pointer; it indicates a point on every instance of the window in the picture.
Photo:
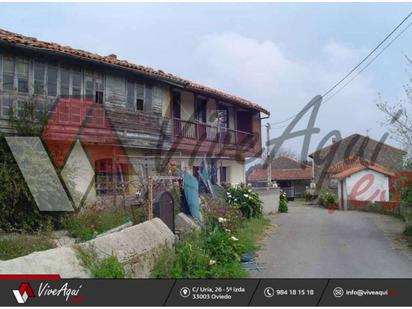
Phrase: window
(99, 88)
(64, 83)
(52, 81)
(22, 76)
(104, 176)
(223, 174)
(201, 110)
(8, 73)
(39, 73)
(6, 106)
(139, 97)
(223, 116)
(38, 110)
(20, 109)
(88, 86)
(130, 95)
(76, 83)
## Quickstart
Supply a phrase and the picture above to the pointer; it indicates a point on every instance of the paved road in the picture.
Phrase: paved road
(310, 242)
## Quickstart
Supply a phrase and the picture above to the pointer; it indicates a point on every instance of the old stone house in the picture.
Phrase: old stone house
(124, 117)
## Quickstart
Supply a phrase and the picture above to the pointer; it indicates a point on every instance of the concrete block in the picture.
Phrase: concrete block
(185, 224)
(270, 198)
(62, 261)
(136, 247)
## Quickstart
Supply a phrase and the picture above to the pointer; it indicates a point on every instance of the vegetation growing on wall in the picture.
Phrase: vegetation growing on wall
(106, 268)
(216, 250)
(17, 206)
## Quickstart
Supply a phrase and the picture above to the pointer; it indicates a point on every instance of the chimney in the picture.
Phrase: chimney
(112, 56)
(333, 140)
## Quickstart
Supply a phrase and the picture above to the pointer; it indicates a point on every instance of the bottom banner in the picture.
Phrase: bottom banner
(44, 290)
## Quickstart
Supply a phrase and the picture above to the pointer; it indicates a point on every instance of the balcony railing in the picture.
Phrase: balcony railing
(206, 132)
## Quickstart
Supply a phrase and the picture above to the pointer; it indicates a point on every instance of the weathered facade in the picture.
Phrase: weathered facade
(144, 115)
(354, 145)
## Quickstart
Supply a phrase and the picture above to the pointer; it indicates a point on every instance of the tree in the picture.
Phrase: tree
(398, 118)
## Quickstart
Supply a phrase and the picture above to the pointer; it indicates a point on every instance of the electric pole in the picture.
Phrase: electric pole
(268, 157)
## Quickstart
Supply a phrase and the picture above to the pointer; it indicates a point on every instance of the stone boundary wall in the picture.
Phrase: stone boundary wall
(137, 248)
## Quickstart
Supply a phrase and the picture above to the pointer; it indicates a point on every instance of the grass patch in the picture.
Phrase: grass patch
(251, 232)
(20, 245)
(89, 223)
(211, 254)
(107, 268)
(193, 259)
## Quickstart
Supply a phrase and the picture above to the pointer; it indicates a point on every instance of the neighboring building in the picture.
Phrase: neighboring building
(144, 115)
(360, 180)
(388, 157)
(291, 175)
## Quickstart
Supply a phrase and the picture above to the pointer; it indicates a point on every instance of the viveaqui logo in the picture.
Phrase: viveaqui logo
(23, 293)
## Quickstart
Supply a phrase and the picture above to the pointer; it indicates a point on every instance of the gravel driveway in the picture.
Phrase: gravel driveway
(310, 242)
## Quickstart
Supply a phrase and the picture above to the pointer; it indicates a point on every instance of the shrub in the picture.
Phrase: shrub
(86, 224)
(222, 246)
(20, 245)
(216, 210)
(18, 209)
(408, 230)
(107, 268)
(326, 199)
(188, 260)
(248, 201)
(283, 202)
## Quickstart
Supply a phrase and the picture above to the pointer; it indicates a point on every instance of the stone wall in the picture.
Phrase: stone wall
(136, 247)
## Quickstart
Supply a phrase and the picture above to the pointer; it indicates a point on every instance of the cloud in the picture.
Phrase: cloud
(284, 82)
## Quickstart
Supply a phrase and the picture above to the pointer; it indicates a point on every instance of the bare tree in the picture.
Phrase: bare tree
(398, 117)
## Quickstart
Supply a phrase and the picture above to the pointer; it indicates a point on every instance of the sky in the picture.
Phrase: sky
(279, 55)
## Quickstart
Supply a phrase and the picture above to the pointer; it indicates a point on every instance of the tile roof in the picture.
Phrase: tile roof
(282, 174)
(358, 138)
(355, 164)
(24, 41)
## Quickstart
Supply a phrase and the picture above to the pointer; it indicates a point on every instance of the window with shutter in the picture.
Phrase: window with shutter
(140, 96)
(76, 83)
(64, 83)
(52, 80)
(131, 96)
(148, 99)
(39, 74)
(22, 76)
(8, 73)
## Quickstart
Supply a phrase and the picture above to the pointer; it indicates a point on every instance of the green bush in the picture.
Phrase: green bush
(222, 246)
(19, 245)
(211, 253)
(408, 230)
(188, 260)
(86, 224)
(18, 209)
(326, 199)
(107, 268)
(247, 200)
(283, 203)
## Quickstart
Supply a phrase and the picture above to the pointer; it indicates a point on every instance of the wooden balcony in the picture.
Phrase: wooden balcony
(191, 136)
